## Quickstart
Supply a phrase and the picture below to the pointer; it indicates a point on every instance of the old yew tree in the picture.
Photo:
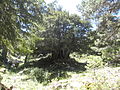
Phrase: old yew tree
(63, 35)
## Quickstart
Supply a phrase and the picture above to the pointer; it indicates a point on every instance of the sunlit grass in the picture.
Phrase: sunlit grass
(96, 79)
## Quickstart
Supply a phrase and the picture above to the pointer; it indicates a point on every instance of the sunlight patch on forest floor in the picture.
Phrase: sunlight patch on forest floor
(106, 78)
(101, 79)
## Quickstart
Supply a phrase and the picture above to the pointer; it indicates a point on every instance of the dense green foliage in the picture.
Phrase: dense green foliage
(105, 13)
(63, 35)
(18, 19)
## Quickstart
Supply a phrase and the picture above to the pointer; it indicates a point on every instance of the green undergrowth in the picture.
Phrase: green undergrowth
(96, 77)
(91, 60)
(106, 78)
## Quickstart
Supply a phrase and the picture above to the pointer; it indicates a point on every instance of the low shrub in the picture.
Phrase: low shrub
(40, 75)
(92, 60)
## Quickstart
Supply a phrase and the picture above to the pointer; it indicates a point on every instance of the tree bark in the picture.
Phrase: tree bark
(4, 54)
(26, 58)
(61, 54)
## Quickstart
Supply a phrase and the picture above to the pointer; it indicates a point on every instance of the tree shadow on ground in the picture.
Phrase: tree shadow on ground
(50, 64)
(57, 68)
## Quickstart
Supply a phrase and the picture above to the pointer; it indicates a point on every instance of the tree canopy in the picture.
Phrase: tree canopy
(105, 13)
(63, 35)
(33, 27)
(18, 19)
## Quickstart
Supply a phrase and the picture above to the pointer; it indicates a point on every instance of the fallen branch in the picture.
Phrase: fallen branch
(3, 87)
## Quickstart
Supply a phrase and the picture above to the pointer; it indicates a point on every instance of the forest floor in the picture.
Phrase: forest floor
(105, 78)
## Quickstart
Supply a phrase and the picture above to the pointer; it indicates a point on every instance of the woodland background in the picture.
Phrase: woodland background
(43, 46)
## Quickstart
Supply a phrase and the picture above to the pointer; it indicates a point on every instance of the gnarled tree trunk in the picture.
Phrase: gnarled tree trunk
(61, 54)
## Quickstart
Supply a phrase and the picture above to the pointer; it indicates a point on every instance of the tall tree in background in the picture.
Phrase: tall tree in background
(105, 13)
(17, 18)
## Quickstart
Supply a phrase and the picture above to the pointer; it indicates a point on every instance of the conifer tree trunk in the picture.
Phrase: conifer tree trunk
(26, 58)
(4, 54)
